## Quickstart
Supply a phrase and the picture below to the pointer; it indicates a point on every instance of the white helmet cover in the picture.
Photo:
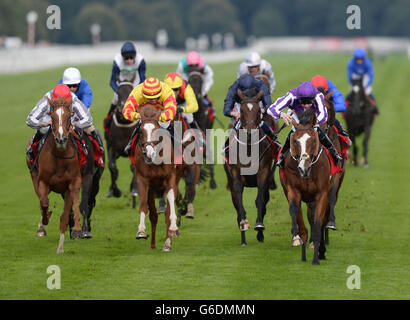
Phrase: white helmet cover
(71, 76)
(253, 59)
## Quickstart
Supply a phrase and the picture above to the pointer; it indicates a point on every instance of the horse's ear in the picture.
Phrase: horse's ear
(329, 95)
(240, 94)
(51, 103)
(259, 95)
(317, 143)
(314, 120)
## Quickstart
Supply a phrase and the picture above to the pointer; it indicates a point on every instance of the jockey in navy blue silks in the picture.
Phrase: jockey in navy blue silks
(232, 101)
(79, 86)
(360, 66)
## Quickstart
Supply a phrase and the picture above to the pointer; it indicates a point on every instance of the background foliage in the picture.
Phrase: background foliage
(141, 19)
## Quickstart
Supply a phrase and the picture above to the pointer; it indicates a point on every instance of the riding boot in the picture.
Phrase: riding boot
(37, 137)
(269, 132)
(96, 135)
(342, 130)
(127, 149)
(284, 152)
(327, 143)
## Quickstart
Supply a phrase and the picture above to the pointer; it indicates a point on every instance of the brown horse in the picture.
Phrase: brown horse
(237, 180)
(306, 177)
(189, 171)
(58, 171)
(155, 177)
(117, 137)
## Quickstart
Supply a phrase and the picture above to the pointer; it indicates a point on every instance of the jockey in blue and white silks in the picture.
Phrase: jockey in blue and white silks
(304, 96)
(79, 86)
(360, 66)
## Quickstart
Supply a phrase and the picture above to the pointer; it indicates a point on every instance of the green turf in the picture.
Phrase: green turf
(207, 261)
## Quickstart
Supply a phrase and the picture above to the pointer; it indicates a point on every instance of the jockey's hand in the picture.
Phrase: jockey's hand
(46, 124)
(235, 114)
(135, 116)
(286, 118)
(180, 109)
(263, 110)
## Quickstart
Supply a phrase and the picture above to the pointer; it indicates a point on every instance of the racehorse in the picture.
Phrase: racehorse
(91, 173)
(58, 170)
(190, 172)
(359, 118)
(201, 117)
(305, 177)
(117, 138)
(250, 120)
(155, 179)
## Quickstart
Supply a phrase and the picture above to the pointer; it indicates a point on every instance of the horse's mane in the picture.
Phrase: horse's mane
(149, 111)
(250, 93)
(306, 117)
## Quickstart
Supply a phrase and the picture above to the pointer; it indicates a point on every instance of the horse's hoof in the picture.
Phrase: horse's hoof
(86, 235)
(260, 236)
(141, 235)
(331, 225)
(110, 193)
(212, 184)
(41, 234)
(296, 241)
(75, 234)
(366, 166)
(173, 233)
(311, 245)
(315, 262)
(244, 244)
(322, 257)
(60, 250)
(117, 193)
(259, 227)
(134, 193)
(166, 249)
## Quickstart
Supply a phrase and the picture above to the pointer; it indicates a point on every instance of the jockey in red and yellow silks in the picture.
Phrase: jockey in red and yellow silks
(151, 91)
(184, 94)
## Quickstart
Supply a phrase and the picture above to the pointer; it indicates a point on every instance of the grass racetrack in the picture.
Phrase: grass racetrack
(207, 261)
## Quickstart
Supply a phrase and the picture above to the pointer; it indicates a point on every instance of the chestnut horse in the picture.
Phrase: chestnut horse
(117, 138)
(189, 171)
(306, 177)
(58, 171)
(250, 120)
(155, 177)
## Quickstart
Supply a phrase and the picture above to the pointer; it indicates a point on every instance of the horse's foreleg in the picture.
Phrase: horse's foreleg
(153, 217)
(366, 145)
(353, 139)
(236, 193)
(42, 191)
(74, 194)
(191, 181)
(143, 187)
(113, 190)
(294, 207)
(212, 182)
(321, 204)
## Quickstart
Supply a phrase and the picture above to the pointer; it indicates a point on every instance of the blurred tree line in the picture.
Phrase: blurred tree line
(141, 19)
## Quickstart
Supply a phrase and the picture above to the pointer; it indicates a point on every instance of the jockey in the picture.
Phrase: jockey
(337, 98)
(39, 118)
(78, 86)
(151, 91)
(360, 66)
(127, 65)
(193, 61)
(304, 96)
(232, 101)
(185, 95)
(254, 65)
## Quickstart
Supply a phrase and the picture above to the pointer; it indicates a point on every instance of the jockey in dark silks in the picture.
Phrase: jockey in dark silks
(360, 66)
(250, 86)
(298, 99)
(128, 65)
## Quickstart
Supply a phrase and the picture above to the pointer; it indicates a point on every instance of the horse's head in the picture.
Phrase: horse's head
(60, 120)
(250, 110)
(195, 80)
(124, 89)
(147, 130)
(304, 142)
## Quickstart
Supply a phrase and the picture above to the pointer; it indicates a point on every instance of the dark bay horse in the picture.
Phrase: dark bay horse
(201, 117)
(306, 177)
(264, 155)
(58, 171)
(91, 173)
(155, 178)
(359, 118)
(189, 171)
(117, 138)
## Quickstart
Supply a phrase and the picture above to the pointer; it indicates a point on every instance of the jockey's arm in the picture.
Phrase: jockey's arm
(141, 71)
(208, 80)
(39, 116)
(230, 99)
(170, 106)
(281, 103)
(87, 97)
(81, 117)
(370, 73)
(130, 108)
(190, 99)
(113, 81)
(322, 111)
